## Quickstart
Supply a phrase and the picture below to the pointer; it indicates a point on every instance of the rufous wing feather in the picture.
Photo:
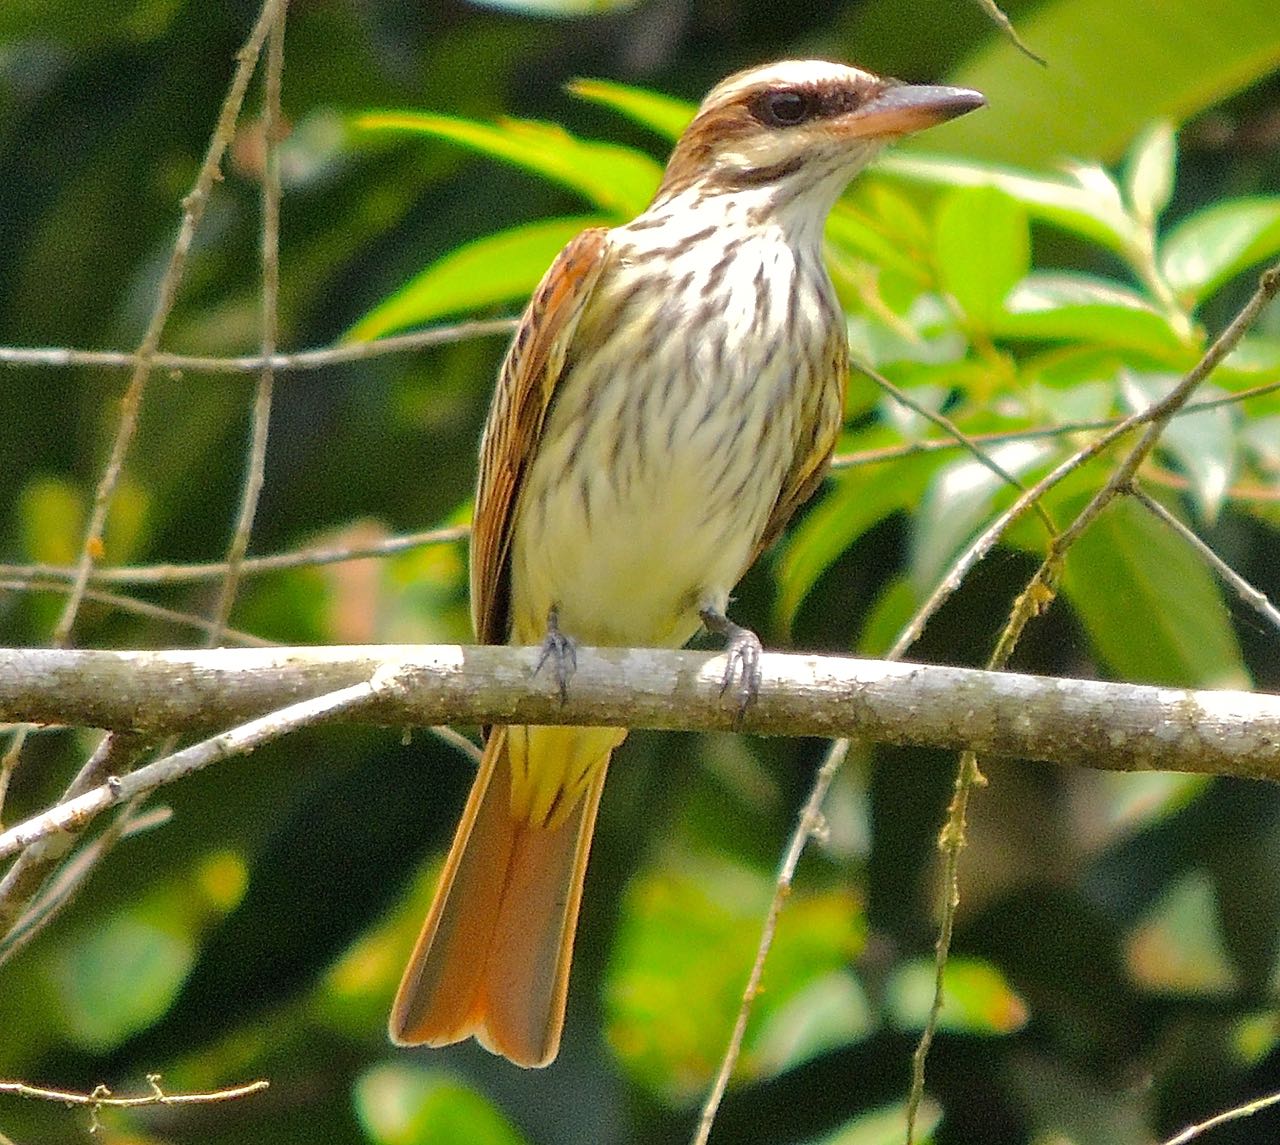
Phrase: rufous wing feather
(525, 388)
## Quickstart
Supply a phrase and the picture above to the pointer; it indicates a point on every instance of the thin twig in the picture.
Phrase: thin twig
(116, 752)
(281, 363)
(1031, 602)
(140, 608)
(102, 1097)
(255, 467)
(1236, 1114)
(64, 887)
(1063, 429)
(961, 439)
(1253, 597)
(193, 206)
(250, 566)
(808, 824)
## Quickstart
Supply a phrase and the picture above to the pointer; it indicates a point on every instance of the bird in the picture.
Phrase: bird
(671, 395)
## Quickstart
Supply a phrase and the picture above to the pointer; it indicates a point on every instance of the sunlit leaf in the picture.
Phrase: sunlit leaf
(1057, 306)
(885, 1127)
(829, 1012)
(1135, 799)
(619, 180)
(1204, 442)
(983, 249)
(1178, 946)
(1113, 68)
(1149, 171)
(117, 979)
(959, 501)
(1152, 610)
(854, 505)
(662, 114)
(1063, 202)
(502, 267)
(1211, 247)
(687, 936)
(407, 1105)
(977, 999)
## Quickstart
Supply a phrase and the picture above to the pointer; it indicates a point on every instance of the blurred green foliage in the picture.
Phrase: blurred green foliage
(1056, 260)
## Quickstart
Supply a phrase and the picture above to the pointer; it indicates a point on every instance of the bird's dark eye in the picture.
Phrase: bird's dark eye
(784, 108)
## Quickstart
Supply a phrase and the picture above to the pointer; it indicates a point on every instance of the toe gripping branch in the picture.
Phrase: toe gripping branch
(560, 650)
(742, 651)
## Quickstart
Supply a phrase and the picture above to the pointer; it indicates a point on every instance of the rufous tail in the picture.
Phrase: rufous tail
(493, 957)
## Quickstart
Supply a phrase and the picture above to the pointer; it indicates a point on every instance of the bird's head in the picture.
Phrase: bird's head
(800, 129)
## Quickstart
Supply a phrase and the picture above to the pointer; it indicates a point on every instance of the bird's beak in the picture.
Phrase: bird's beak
(900, 109)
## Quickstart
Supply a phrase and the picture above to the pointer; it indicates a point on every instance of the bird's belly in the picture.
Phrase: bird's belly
(631, 522)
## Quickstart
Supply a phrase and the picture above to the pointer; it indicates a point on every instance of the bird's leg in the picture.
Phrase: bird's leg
(557, 647)
(743, 650)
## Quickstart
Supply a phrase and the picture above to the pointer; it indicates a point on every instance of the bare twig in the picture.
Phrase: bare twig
(192, 211)
(250, 566)
(1253, 597)
(1032, 601)
(255, 467)
(138, 607)
(1063, 429)
(809, 824)
(961, 439)
(1236, 1114)
(280, 363)
(102, 1097)
(68, 882)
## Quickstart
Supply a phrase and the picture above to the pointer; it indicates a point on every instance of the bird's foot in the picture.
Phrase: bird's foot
(560, 650)
(742, 651)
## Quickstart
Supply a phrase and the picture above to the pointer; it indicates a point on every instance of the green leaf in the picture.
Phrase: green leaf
(978, 1000)
(1211, 247)
(887, 1126)
(1149, 172)
(856, 502)
(1113, 68)
(1203, 442)
(1152, 610)
(1082, 205)
(498, 268)
(687, 935)
(1068, 307)
(619, 180)
(983, 247)
(662, 114)
(959, 502)
(407, 1105)
(1178, 948)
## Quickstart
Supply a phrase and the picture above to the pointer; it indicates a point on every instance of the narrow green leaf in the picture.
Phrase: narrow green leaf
(1203, 443)
(983, 247)
(401, 1104)
(616, 179)
(1178, 948)
(977, 1000)
(662, 114)
(1149, 172)
(959, 502)
(855, 503)
(1092, 212)
(500, 267)
(1152, 610)
(1214, 245)
(1067, 307)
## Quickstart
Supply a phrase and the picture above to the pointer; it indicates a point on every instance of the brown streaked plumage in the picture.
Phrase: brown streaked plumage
(671, 397)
